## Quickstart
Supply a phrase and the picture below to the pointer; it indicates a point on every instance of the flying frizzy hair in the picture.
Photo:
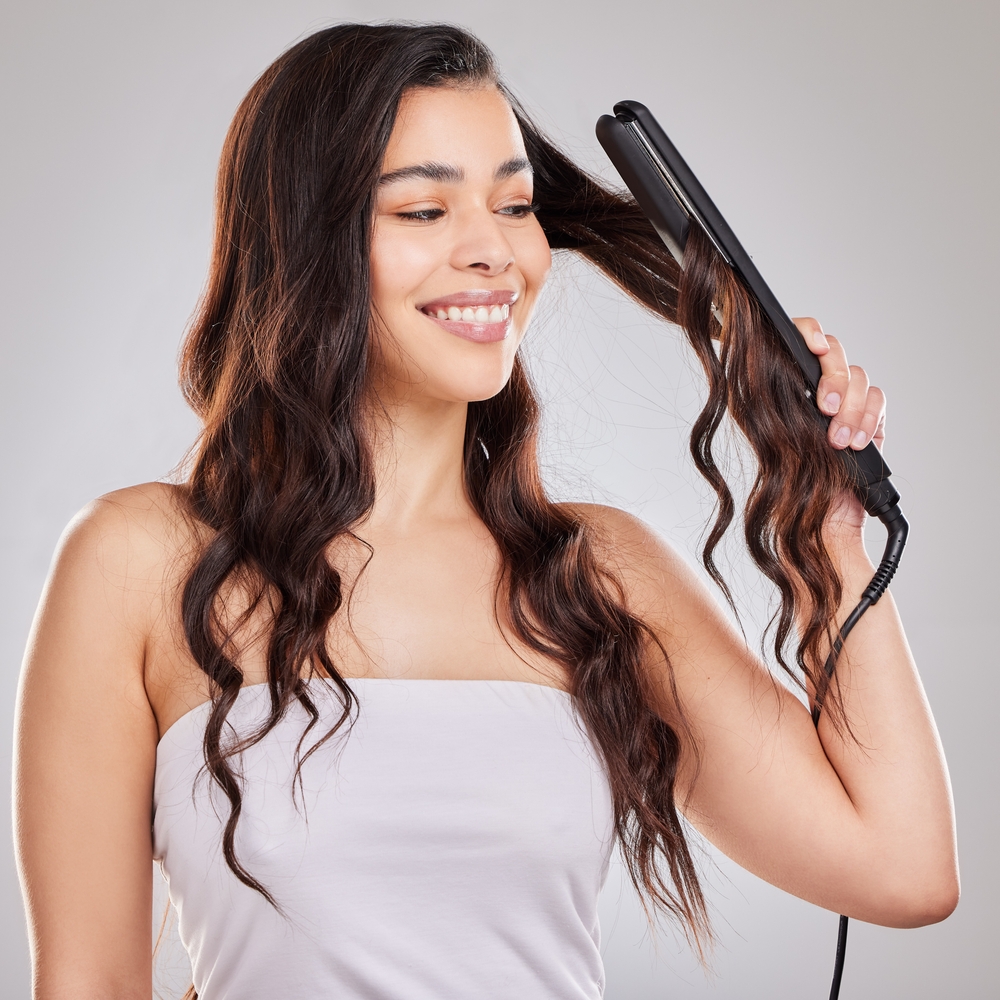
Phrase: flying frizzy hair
(277, 364)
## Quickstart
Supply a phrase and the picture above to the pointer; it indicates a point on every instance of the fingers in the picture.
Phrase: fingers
(872, 424)
(836, 375)
(880, 430)
(856, 409)
(813, 334)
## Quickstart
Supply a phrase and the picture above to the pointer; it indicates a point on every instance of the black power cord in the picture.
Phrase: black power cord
(838, 964)
(896, 525)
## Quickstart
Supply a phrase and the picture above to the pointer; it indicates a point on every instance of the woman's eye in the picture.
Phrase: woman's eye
(422, 214)
(519, 211)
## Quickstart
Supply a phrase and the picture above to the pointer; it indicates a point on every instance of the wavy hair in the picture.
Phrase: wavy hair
(277, 365)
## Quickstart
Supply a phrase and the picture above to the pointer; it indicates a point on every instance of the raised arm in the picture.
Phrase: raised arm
(85, 751)
(862, 826)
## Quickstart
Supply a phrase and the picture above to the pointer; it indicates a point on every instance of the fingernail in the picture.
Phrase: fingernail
(842, 436)
(859, 439)
(831, 402)
(820, 339)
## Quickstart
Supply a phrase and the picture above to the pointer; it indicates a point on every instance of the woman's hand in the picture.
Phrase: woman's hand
(856, 408)
(857, 416)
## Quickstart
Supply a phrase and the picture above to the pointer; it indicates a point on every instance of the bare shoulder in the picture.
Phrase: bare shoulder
(139, 518)
(665, 590)
(667, 593)
(109, 610)
(133, 531)
(652, 571)
(612, 526)
(121, 554)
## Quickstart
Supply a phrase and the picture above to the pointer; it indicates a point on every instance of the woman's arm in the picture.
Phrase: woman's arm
(85, 752)
(863, 827)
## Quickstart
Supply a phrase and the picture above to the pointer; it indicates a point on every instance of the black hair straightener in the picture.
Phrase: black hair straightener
(673, 201)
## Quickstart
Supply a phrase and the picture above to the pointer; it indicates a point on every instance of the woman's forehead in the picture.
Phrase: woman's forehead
(471, 129)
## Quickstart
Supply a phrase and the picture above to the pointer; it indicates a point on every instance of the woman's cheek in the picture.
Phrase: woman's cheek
(400, 263)
(534, 258)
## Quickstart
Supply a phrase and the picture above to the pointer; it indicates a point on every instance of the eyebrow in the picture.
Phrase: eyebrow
(516, 165)
(446, 173)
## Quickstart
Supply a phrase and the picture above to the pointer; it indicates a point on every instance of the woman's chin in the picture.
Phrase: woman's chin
(485, 388)
(468, 390)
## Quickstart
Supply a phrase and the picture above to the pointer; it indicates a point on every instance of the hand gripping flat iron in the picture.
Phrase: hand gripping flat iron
(673, 200)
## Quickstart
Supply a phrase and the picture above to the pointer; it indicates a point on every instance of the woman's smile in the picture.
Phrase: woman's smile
(481, 315)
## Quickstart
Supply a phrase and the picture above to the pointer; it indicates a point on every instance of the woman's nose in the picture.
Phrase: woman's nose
(492, 268)
(484, 247)
(493, 263)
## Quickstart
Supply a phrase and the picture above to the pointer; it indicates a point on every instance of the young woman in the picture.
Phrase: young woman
(381, 709)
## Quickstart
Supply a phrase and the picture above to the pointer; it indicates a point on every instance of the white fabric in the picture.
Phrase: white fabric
(452, 846)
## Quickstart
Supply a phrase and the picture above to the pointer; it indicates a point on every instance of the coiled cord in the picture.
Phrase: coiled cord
(898, 529)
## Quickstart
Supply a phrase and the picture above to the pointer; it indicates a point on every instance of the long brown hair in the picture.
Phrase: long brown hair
(276, 365)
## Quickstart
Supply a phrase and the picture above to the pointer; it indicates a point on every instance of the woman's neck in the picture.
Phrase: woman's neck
(419, 466)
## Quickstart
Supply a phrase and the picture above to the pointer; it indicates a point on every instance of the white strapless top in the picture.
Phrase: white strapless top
(451, 846)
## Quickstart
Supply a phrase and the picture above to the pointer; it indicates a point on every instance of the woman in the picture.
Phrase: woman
(386, 708)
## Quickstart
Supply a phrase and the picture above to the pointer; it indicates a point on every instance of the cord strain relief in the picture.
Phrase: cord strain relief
(880, 581)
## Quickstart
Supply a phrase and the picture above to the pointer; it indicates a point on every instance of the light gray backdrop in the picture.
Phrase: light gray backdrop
(852, 145)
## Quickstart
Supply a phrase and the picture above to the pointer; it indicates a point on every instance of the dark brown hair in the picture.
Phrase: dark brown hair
(276, 364)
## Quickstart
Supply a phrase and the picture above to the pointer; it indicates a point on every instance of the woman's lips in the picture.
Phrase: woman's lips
(482, 316)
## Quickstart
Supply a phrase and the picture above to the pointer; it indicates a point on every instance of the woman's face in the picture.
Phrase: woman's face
(458, 258)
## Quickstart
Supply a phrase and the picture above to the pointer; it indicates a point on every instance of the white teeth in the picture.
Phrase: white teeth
(479, 314)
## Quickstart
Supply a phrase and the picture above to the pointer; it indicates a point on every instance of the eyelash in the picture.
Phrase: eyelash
(521, 211)
(432, 214)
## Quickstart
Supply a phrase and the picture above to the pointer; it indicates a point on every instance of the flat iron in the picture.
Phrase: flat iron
(673, 200)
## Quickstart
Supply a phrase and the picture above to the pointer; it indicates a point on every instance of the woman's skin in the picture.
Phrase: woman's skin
(860, 828)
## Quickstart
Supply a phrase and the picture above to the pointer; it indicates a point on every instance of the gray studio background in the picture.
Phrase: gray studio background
(853, 147)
